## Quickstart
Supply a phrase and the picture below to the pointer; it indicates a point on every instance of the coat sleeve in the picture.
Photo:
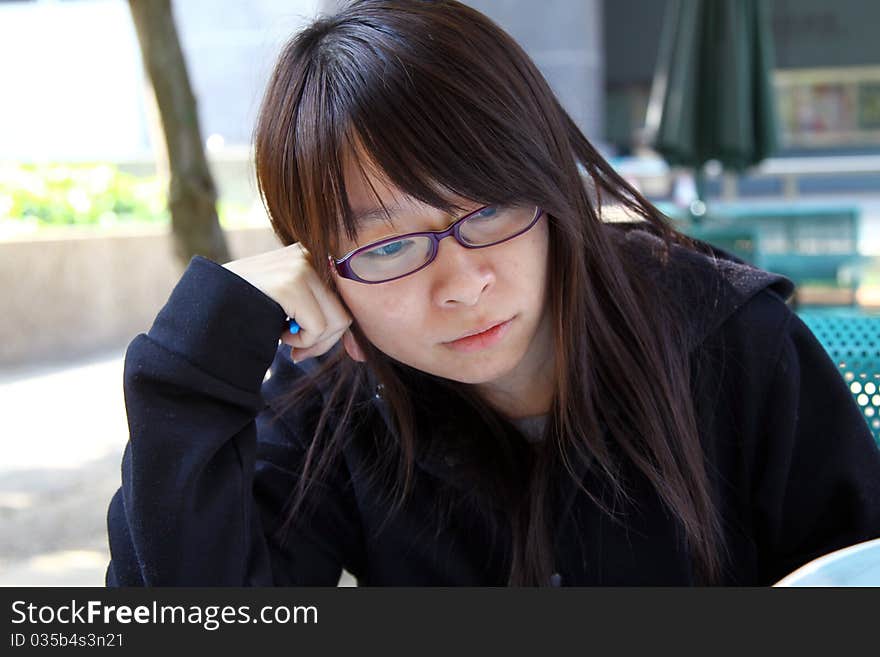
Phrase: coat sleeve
(817, 481)
(207, 469)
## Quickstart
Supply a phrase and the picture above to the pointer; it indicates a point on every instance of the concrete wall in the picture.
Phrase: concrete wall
(565, 40)
(65, 297)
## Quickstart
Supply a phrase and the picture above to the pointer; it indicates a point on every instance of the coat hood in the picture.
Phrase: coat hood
(706, 288)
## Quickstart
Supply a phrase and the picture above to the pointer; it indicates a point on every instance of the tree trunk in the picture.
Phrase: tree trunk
(192, 197)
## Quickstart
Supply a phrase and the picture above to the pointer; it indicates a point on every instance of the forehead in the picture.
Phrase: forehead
(375, 201)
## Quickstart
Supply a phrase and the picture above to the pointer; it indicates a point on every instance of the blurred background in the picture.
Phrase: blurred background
(754, 124)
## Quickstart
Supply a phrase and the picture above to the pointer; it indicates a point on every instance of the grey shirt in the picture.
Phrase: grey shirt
(532, 427)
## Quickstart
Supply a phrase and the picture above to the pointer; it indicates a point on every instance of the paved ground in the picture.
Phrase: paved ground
(62, 432)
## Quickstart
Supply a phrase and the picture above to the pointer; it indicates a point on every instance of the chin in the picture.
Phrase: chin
(475, 368)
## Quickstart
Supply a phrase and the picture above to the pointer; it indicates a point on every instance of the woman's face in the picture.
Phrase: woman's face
(412, 319)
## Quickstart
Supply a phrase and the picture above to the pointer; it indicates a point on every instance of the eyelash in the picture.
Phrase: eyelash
(372, 253)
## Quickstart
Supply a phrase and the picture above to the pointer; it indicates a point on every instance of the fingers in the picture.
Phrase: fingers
(320, 316)
(319, 348)
(320, 313)
(312, 323)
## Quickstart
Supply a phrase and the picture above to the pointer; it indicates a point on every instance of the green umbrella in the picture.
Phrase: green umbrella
(712, 97)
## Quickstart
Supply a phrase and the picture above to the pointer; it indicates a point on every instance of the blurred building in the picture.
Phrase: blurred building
(827, 74)
(75, 89)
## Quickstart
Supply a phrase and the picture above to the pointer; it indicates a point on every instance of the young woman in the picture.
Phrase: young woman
(491, 384)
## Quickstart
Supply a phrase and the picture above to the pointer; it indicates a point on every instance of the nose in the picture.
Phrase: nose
(460, 275)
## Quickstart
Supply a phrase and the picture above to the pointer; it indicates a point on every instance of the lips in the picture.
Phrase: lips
(478, 331)
(487, 339)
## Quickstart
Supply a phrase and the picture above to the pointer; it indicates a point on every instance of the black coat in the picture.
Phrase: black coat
(205, 474)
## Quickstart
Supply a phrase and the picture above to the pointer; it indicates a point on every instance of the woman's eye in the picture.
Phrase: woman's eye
(487, 213)
(388, 250)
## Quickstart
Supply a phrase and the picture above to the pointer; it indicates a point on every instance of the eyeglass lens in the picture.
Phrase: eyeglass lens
(393, 259)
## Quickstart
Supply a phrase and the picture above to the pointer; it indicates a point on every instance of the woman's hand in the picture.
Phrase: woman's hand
(286, 276)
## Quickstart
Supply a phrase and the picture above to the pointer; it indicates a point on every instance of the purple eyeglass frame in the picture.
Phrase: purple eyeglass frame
(343, 268)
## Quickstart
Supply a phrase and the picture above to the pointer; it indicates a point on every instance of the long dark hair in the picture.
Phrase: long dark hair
(444, 103)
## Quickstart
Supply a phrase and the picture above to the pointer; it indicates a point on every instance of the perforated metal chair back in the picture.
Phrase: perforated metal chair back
(853, 342)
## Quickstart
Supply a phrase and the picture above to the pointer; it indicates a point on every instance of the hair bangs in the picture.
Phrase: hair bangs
(357, 91)
(422, 125)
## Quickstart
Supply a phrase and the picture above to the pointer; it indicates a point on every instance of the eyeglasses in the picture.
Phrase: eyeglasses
(402, 255)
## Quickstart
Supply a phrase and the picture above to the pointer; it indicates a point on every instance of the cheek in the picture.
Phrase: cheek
(529, 266)
(383, 315)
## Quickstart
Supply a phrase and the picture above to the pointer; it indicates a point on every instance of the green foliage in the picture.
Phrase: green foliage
(41, 198)
(81, 195)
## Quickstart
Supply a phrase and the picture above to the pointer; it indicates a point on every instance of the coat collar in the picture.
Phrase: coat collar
(435, 453)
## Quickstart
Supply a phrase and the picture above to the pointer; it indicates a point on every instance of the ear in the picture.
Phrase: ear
(352, 347)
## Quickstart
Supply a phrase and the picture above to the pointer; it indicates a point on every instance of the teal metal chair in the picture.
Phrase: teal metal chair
(852, 339)
(743, 242)
(830, 230)
(811, 246)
